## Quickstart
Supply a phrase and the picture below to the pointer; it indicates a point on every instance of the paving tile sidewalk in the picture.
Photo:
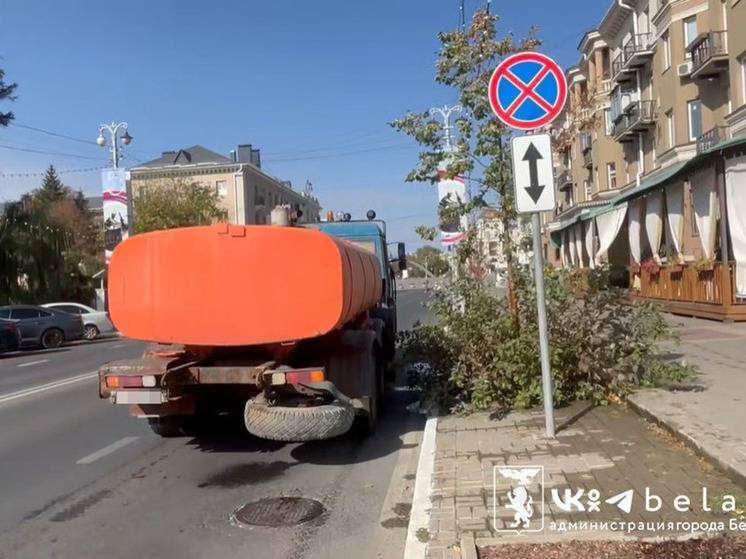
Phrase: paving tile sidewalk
(611, 449)
(712, 420)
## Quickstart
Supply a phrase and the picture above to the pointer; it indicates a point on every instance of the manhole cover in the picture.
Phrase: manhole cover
(280, 511)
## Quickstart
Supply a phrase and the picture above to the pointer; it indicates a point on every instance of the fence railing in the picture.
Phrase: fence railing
(706, 47)
(711, 138)
(642, 42)
(689, 284)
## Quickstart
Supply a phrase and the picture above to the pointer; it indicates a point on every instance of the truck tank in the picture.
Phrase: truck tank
(235, 285)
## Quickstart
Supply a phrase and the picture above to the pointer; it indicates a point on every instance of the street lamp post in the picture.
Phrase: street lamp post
(118, 132)
(118, 221)
(445, 113)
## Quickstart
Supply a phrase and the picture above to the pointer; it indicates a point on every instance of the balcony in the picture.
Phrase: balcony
(709, 53)
(586, 147)
(658, 11)
(620, 73)
(634, 53)
(564, 180)
(638, 50)
(621, 100)
(711, 138)
(638, 117)
(604, 86)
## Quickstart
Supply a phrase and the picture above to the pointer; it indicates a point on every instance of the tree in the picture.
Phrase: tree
(52, 189)
(50, 246)
(176, 203)
(482, 352)
(430, 258)
(465, 63)
(7, 91)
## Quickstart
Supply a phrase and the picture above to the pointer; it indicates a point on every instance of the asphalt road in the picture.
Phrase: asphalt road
(80, 478)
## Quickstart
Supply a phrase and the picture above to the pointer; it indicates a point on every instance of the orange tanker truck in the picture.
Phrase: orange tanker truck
(295, 325)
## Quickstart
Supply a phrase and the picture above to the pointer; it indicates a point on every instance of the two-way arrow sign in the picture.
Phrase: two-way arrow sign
(533, 175)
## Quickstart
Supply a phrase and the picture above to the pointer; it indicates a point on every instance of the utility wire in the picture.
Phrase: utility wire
(354, 141)
(335, 155)
(42, 173)
(60, 154)
(56, 134)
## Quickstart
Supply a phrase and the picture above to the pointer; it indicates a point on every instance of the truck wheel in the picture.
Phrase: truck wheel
(171, 426)
(365, 424)
(296, 424)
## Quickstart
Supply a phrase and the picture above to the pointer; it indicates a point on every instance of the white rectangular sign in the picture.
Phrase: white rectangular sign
(533, 173)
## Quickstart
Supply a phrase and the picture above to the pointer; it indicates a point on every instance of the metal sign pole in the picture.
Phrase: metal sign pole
(538, 103)
(541, 313)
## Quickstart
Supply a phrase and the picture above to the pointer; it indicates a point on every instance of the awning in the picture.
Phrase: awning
(650, 182)
(660, 177)
(654, 180)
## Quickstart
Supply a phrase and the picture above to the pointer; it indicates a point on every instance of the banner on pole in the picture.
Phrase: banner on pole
(450, 192)
(116, 219)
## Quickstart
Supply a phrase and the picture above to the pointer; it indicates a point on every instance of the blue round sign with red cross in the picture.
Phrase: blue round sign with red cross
(528, 90)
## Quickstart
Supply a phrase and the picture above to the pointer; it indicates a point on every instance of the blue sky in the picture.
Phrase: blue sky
(312, 84)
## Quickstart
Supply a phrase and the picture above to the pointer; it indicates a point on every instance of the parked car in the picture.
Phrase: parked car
(96, 323)
(10, 337)
(42, 327)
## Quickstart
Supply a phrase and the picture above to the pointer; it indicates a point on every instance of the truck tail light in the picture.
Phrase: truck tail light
(130, 381)
(304, 377)
(299, 377)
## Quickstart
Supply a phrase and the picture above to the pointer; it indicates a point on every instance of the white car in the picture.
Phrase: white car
(96, 323)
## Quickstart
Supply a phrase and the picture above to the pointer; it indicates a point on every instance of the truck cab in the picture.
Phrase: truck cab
(371, 236)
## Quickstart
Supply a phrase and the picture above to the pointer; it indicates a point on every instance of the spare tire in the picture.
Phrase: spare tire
(298, 424)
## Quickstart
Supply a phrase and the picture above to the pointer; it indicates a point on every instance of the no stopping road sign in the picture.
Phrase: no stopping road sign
(528, 90)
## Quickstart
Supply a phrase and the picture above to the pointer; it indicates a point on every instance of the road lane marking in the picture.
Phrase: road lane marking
(113, 447)
(32, 363)
(118, 345)
(44, 387)
(420, 512)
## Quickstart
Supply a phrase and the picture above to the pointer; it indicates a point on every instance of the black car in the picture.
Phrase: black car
(40, 327)
(10, 336)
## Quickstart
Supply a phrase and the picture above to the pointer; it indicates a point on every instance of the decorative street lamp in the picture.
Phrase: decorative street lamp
(118, 132)
(445, 113)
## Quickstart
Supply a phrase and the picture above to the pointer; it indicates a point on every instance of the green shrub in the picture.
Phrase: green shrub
(481, 357)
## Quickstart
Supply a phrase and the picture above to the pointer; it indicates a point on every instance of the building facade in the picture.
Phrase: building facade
(651, 153)
(246, 192)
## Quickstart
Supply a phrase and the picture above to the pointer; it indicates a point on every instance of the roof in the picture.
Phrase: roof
(187, 156)
(349, 228)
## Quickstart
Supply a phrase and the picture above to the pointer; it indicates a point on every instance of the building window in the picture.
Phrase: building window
(695, 119)
(690, 30)
(611, 175)
(666, 39)
(670, 129)
(742, 65)
(607, 120)
(221, 188)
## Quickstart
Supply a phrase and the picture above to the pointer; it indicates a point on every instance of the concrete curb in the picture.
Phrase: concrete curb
(419, 519)
(699, 448)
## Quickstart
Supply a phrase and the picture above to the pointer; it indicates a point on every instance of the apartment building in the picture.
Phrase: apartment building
(650, 162)
(246, 192)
